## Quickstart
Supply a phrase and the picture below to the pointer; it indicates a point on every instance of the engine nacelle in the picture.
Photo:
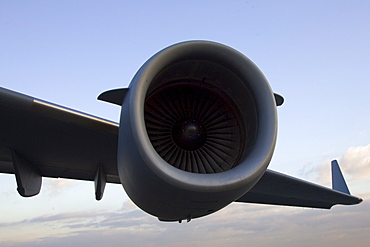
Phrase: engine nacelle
(197, 131)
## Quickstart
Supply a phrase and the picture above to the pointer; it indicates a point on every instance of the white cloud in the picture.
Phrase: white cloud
(56, 186)
(356, 162)
(355, 166)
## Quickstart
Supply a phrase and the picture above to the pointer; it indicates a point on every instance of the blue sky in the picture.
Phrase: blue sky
(316, 54)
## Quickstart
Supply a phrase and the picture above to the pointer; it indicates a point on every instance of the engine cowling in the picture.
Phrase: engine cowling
(197, 130)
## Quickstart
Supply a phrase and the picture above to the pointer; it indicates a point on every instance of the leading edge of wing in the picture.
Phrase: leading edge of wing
(279, 189)
(59, 141)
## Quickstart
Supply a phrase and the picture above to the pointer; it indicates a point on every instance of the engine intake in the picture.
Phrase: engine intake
(200, 116)
(197, 131)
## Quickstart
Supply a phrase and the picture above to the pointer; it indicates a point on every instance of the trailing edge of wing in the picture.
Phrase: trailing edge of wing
(280, 189)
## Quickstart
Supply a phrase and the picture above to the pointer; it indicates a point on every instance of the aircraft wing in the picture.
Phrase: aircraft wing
(62, 143)
(58, 142)
(280, 189)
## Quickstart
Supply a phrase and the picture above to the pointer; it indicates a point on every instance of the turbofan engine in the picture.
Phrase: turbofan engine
(197, 130)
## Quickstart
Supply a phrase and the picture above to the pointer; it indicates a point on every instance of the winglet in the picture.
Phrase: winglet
(338, 182)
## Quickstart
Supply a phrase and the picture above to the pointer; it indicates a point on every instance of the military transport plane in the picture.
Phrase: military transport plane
(197, 131)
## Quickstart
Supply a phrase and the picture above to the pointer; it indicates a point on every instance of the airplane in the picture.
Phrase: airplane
(197, 131)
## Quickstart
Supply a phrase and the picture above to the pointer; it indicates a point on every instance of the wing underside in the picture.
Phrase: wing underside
(62, 143)
(58, 141)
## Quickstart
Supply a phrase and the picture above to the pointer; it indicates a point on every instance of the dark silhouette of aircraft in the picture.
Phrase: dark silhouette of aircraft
(197, 131)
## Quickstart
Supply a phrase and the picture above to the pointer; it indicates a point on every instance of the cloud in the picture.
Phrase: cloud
(237, 224)
(56, 186)
(356, 162)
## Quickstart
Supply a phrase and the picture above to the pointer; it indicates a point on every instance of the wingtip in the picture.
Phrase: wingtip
(338, 181)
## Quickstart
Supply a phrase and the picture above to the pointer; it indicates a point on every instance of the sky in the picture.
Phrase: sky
(314, 53)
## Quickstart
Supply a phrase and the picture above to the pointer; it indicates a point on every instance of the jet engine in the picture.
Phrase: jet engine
(197, 131)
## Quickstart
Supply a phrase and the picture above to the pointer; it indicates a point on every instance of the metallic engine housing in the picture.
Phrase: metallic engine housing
(165, 191)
